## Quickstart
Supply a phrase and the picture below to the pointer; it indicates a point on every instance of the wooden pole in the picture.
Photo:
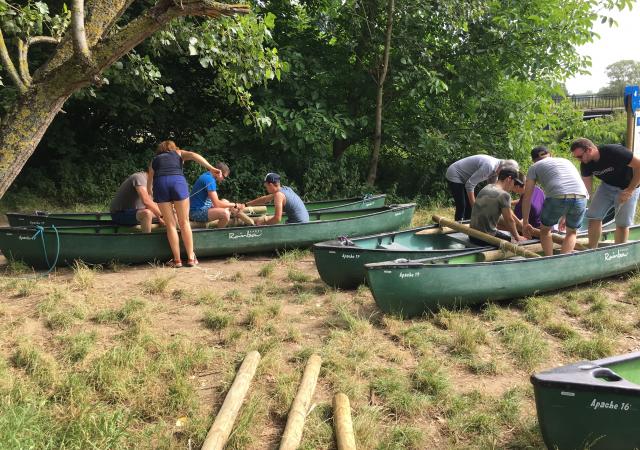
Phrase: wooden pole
(255, 210)
(434, 230)
(630, 123)
(221, 428)
(345, 438)
(500, 243)
(295, 422)
(554, 237)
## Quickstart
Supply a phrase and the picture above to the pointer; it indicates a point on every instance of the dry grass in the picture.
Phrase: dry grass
(142, 357)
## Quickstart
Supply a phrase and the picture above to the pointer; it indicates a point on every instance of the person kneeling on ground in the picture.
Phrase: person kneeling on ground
(133, 205)
(494, 202)
(284, 199)
(566, 195)
(205, 203)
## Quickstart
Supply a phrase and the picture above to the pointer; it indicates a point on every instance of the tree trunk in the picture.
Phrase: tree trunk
(377, 137)
(23, 128)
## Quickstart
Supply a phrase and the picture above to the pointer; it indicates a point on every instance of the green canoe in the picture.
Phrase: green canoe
(340, 263)
(45, 219)
(590, 404)
(410, 288)
(98, 244)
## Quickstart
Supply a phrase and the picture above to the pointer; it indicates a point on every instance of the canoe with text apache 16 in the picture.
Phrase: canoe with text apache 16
(590, 404)
(340, 263)
(102, 244)
(410, 288)
(45, 219)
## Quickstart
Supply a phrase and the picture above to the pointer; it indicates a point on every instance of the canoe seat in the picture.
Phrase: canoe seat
(393, 246)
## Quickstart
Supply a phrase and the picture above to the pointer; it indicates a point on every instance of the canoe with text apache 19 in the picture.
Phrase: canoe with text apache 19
(590, 404)
(102, 244)
(45, 219)
(410, 288)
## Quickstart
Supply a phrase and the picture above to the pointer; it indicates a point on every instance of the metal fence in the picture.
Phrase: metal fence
(589, 102)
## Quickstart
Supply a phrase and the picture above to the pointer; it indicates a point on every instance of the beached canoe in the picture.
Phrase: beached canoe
(340, 263)
(410, 288)
(101, 244)
(590, 404)
(45, 219)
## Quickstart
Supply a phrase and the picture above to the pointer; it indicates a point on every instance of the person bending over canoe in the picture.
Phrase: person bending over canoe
(494, 203)
(205, 203)
(619, 170)
(284, 199)
(464, 175)
(537, 200)
(132, 204)
(566, 196)
(169, 187)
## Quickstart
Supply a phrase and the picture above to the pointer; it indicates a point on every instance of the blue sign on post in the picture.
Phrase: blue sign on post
(632, 93)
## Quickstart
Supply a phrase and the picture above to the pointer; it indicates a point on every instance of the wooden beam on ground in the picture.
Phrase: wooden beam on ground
(500, 243)
(345, 438)
(295, 422)
(221, 428)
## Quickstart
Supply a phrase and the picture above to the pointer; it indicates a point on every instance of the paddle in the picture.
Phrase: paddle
(500, 243)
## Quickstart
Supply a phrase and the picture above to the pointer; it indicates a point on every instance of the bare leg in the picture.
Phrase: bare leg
(546, 240)
(182, 211)
(569, 241)
(145, 217)
(621, 235)
(222, 215)
(172, 232)
(595, 230)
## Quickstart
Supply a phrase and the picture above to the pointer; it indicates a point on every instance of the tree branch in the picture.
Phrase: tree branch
(79, 36)
(23, 64)
(9, 67)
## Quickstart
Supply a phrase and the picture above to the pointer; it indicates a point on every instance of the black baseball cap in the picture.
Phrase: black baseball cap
(272, 178)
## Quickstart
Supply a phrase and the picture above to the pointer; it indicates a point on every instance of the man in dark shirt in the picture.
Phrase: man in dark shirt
(619, 170)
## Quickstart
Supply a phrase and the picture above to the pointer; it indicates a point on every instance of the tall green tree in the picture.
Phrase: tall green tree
(621, 73)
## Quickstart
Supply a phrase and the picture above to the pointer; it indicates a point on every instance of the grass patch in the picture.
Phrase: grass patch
(157, 284)
(298, 276)
(216, 321)
(525, 343)
(597, 347)
(289, 257)
(397, 393)
(132, 312)
(431, 378)
(84, 275)
(267, 270)
(77, 347)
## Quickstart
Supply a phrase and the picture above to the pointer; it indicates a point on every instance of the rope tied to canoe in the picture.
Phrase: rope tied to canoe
(40, 232)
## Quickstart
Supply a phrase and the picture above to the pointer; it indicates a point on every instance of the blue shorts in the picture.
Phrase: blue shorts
(125, 217)
(199, 215)
(170, 188)
(606, 196)
(573, 209)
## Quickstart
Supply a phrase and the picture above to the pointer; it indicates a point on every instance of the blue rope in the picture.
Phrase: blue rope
(44, 246)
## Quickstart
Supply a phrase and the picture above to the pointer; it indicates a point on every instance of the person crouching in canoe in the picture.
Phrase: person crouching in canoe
(494, 203)
(284, 199)
(132, 204)
(167, 183)
(566, 195)
(205, 203)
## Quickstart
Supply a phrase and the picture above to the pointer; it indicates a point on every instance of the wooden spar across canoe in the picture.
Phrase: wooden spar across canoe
(590, 404)
(340, 263)
(102, 244)
(410, 288)
(45, 219)
(500, 243)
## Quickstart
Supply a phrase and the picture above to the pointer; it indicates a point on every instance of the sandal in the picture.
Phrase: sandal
(176, 264)
(192, 261)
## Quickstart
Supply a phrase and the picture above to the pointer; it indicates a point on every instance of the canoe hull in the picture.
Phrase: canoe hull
(45, 219)
(590, 404)
(410, 289)
(343, 266)
(98, 245)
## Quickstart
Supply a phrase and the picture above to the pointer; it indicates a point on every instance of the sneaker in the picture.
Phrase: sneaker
(192, 261)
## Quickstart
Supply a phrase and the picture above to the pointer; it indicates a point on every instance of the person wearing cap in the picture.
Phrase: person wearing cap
(619, 171)
(566, 196)
(494, 203)
(464, 175)
(285, 201)
(205, 203)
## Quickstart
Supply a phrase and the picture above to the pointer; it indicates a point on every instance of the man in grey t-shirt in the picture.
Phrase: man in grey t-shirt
(565, 195)
(132, 203)
(494, 202)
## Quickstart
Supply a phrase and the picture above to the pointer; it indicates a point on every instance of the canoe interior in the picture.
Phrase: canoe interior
(629, 369)
(411, 241)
